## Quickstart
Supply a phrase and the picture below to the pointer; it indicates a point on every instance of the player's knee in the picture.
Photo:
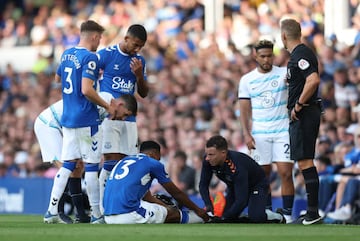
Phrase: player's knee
(77, 173)
(173, 215)
(114, 156)
(286, 176)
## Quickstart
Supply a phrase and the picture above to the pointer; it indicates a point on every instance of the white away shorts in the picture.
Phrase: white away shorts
(50, 141)
(271, 149)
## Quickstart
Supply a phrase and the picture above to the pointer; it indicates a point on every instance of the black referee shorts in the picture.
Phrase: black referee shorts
(303, 133)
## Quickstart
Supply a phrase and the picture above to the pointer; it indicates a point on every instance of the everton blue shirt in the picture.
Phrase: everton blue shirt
(77, 63)
(118, 79)
(128, 182)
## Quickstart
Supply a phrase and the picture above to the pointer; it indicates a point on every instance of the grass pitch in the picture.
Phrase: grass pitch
(31, 227)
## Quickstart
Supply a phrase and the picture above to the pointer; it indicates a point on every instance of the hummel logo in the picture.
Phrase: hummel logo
(116, 67)
(54, 201)
(94, 147)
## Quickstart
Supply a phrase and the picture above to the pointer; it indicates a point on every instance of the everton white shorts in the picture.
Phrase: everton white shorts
(82, 143)
(119, 137)
(147, 213)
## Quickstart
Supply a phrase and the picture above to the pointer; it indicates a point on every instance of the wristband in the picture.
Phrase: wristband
(298, 103)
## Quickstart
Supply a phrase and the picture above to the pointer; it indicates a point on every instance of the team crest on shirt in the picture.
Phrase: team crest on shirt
(274, 83)
(303, 64)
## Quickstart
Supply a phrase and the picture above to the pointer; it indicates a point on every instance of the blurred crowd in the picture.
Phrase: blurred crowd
(193, 74)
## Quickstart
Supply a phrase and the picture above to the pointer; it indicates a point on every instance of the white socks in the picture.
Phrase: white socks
(104, 174)
(189, 217)
(194, 218)
(93, 192)
(58, 188)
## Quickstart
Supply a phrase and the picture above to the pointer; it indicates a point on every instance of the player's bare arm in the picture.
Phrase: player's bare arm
(312, 82)
(182, 198)
(57, 78)
(88, 90)
(137, 68)
(150, 198)
(245, 110)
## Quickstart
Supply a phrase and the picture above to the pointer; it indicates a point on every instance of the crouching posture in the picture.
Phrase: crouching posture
(127, 199)
(246, 183)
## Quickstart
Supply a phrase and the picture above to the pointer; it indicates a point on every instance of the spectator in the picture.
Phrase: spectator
(346, 95)
(3, 170)
(351, 195)
(181, 173)
(323, 147)
(323, 165)
(328, 182)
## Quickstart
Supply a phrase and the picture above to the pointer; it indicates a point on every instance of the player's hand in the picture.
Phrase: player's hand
(250, 142)
(293, 114)
(215, 219)
(203, 214)
(136, 66)
(111, 110)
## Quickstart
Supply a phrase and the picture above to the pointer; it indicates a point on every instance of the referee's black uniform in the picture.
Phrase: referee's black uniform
(303, 132)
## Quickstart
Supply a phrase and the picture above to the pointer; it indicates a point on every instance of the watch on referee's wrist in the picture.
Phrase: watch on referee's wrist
(298, 103)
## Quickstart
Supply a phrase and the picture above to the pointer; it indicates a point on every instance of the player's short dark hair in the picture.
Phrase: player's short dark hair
(149, 145)
(218, 142)
(91, 26)
(130, 103)
(264, 44)
(138, 31)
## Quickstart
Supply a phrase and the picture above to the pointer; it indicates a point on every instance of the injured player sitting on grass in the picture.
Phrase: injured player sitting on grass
(127, 199)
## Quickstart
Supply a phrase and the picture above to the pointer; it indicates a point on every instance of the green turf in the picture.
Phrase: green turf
(28, 228)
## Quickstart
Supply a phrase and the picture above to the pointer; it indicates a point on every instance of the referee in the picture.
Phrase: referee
(304, 112)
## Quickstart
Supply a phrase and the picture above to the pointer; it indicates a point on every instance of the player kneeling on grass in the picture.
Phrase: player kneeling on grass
(127, 199)
(247, 185)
